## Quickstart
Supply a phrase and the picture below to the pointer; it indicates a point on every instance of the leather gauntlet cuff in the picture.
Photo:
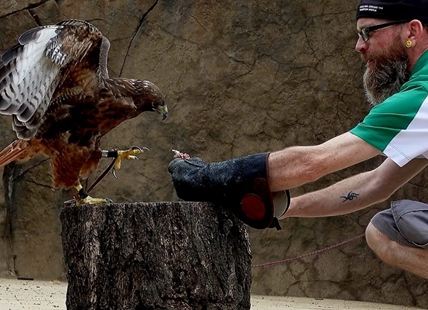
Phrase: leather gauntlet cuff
(257, 207)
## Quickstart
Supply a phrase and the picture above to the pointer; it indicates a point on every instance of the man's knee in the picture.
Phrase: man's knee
(380, 244)
(372, 237)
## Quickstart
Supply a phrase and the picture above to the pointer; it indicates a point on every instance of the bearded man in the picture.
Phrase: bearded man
(393, 42)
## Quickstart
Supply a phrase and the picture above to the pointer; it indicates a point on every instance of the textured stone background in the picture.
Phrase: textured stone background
(240, 76)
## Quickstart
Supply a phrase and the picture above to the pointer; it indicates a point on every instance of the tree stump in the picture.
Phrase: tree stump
(167, 255)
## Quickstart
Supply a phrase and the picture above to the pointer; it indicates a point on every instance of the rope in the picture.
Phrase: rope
(101, 176)
(308, 254)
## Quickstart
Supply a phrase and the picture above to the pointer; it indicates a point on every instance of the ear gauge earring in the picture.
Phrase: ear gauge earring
(408, 43)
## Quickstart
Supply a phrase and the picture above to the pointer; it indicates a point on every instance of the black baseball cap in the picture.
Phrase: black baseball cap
(394, 9)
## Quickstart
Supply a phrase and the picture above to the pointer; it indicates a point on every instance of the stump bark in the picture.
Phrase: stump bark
(168, 255)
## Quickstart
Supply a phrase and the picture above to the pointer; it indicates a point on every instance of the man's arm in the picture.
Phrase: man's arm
(296, 166)
(245, 184)
(357, 192)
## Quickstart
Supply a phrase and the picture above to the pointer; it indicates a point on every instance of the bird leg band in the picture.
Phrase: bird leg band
(81, 194)
(111, 153)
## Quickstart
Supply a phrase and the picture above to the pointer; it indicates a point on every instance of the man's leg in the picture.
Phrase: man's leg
(414, 260)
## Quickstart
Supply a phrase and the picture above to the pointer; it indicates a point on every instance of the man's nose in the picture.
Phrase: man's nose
(361, 45)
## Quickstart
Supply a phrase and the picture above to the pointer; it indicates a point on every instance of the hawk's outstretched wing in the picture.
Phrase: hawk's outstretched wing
(41, 62)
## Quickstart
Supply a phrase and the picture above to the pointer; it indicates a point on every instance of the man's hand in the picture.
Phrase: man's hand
(188, 179)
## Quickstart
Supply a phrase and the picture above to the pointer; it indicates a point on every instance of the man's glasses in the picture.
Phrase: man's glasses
(365, 32)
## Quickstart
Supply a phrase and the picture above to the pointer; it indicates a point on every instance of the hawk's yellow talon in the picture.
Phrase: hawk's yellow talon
(126, 154)
(88, 199)
(91, 200)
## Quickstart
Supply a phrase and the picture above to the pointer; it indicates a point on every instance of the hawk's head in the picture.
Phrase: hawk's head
(151, 99)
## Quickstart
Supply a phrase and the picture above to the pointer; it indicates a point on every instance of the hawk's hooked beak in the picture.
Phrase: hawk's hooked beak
(162, 110)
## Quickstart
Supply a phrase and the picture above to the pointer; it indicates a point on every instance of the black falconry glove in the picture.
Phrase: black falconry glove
(239, 184)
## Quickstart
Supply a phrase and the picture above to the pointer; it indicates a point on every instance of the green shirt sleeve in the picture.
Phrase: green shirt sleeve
(395, 125)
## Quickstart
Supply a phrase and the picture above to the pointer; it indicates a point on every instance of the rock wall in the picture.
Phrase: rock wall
(240, 77)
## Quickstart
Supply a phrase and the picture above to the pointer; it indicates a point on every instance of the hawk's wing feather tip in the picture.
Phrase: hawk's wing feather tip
(39, 34)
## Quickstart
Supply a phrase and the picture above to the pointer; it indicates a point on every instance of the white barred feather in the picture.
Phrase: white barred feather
(27, 74)
(31, 71)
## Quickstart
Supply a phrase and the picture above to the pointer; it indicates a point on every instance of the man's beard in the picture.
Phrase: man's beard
(387, 76)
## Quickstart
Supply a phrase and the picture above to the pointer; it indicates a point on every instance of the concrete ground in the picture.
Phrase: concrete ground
(45, 295)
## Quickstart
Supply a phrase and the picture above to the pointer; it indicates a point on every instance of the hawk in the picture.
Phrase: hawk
(56, 87)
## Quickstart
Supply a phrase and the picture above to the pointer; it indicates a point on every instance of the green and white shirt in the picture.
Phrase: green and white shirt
(398, 127)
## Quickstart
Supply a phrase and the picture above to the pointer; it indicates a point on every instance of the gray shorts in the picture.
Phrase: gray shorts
(406, 222)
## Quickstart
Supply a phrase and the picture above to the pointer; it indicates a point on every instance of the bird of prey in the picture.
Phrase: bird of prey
(55, 85)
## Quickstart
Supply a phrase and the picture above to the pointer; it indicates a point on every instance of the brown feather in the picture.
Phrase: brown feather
(66, 111)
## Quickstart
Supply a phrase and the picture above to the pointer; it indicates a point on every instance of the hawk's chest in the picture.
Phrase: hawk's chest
(113, 110)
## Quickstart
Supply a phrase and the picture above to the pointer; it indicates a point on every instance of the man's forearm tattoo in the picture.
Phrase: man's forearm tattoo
(351, 196)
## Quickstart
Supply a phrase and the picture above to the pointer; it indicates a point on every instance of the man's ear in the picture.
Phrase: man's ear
(415, 30)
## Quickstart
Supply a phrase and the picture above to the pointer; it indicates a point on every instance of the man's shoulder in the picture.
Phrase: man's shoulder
(409, 98)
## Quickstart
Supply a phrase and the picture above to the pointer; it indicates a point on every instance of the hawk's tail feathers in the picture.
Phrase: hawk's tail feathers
(13, 151)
